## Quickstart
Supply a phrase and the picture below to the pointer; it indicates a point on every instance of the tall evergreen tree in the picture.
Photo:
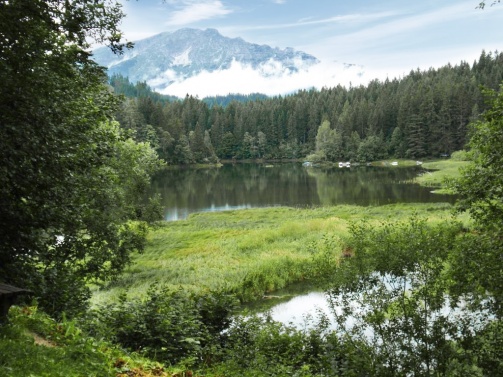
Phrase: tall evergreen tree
(416, 132)
(197, 146)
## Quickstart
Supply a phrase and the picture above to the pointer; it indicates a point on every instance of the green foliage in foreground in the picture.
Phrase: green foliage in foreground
(481, 186)
(201, 333)
(71, 181)
(169, 326)
(198, 332)
(400, 301)
(397, 285)
(481, 192)
(248, 346)
(248, 252)
(33, 344)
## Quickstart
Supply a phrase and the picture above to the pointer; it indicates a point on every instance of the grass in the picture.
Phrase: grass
(247, 252)
(443, 171)
(255, 251)
(32, 344)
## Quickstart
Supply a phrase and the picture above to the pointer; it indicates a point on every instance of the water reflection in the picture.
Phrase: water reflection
(300, 303)
(296, 310)
(238, 186)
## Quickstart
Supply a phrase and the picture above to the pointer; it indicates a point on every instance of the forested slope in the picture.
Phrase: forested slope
(423, 114)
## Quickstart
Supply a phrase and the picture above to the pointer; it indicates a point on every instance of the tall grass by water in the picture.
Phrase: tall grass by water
(440, 172)
(248, 252)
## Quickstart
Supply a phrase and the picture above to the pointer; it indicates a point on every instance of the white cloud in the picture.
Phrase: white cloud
(279, 1)
(309, 21)
(272, 68)
(270, 79)
(166, 77)
(196, 10)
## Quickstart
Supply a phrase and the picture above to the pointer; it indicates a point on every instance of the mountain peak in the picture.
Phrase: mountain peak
(170, 57)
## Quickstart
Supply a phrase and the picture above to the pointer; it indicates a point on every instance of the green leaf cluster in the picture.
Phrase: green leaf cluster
(33, 344)
(70, 180)
(478, 267)
(166, 325)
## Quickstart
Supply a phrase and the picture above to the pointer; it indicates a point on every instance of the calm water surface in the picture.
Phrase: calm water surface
(293, 305)
(238, 186)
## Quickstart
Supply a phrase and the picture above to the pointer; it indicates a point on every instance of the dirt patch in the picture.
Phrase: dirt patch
(41, 341)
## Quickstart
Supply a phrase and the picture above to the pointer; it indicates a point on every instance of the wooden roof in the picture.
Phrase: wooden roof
(7, 290)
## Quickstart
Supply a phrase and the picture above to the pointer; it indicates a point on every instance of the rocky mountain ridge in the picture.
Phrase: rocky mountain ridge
(171, 57)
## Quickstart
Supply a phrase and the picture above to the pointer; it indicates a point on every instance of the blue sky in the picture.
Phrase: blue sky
(386, 38)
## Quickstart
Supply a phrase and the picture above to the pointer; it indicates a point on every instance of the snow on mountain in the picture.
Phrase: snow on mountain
(203, 62)
(182, 59)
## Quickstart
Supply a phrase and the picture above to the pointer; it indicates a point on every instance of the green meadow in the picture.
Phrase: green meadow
(249, 252)
(440, 172)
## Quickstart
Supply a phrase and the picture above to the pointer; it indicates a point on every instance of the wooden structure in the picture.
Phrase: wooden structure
(8, 295)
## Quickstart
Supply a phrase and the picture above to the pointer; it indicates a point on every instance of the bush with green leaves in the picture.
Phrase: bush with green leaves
(169, 326)
(395, 300)
(200, 332)
(258, 346)
(460, 156)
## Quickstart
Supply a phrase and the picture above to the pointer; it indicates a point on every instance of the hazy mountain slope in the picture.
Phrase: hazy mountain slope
(167, 58)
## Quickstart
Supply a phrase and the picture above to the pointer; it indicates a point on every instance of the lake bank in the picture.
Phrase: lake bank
(439, 172)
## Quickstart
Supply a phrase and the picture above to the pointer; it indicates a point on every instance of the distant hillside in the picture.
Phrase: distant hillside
(226, 100)
(425, 114)
(122, 85)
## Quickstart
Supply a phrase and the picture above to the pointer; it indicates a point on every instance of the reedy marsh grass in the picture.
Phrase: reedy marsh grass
(443, 171)
(248, 252)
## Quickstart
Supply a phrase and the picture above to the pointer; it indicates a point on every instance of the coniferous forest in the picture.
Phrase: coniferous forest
(423, 114)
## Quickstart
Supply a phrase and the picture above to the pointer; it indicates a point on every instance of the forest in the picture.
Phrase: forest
(424, 114)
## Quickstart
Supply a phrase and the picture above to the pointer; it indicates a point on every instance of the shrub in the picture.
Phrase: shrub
(169, 326)
(460, 156)
(258, 346)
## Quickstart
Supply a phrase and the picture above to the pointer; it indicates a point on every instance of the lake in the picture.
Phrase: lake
(250, 185)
